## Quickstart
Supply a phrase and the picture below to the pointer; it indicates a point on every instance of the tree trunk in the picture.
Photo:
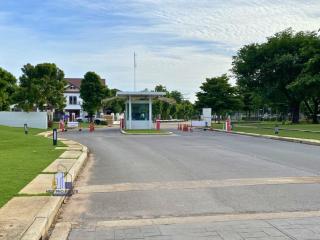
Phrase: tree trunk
(295, 112)
(315, 112)
(90, 117)
(315, 119)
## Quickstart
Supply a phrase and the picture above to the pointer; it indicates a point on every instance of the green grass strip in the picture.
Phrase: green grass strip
(22, 158)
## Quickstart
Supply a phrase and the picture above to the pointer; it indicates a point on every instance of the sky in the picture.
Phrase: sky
(178, 43)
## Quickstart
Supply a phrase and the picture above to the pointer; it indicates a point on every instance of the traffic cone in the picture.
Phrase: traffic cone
(91, 127)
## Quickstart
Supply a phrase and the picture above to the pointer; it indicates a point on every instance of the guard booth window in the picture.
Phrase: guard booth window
(140, 111)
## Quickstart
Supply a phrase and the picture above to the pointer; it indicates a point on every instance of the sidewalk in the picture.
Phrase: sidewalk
(274, 229)
(30, 215)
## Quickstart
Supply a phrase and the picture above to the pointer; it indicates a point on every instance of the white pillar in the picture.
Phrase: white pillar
(150, 112)
(126, 115)
(130, 113)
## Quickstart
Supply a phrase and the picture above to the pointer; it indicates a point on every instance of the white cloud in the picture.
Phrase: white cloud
(179, 42)
(234, 22)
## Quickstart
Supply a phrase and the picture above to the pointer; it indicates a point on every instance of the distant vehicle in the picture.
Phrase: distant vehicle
(96, 120)
(99, 121)
(85, 118)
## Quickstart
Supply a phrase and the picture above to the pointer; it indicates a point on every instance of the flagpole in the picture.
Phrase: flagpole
(134, 71)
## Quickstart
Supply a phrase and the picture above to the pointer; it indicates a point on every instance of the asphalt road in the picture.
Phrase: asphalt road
(182, 176)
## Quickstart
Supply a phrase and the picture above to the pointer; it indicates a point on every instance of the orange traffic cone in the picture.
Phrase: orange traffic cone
(91, 127)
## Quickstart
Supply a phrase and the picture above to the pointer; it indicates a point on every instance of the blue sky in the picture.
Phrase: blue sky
(178, 42)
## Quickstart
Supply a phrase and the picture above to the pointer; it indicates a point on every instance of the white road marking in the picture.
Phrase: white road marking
(207, 219)
(125, 187)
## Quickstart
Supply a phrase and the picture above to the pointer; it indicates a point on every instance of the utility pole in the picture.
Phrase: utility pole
(134, 71)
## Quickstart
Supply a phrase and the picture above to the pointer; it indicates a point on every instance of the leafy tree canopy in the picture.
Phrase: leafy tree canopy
(112, 103)
(160, 88)
(42, 87)
(218, 94)
(7, 88)
(269, 68)
(176, 95)
(92, 92)
(181, 109)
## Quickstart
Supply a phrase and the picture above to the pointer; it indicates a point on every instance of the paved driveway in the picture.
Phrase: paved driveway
(200, 185)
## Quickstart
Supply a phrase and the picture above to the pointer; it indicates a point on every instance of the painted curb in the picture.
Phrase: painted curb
(146, 134)
(45, 217)
(285, 139)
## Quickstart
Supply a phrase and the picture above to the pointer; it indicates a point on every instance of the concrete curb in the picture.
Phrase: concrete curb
(61, 231)
(286, 139)
(45, 217)
(146, 134)
(43, 220)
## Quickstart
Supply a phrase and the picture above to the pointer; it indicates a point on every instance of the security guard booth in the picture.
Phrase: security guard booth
(138, 110)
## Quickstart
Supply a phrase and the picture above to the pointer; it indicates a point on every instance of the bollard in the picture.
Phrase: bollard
(25, 128)
(61, 125)
(91, 127)
(185, 128)
(158, 124)
(228, 125)
(55, 136)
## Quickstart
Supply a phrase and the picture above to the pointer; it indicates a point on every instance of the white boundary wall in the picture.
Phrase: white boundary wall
(18, 119)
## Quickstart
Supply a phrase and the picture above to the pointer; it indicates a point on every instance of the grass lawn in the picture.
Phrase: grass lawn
(267, 128)
(22, 158)
(145, 131)
(301, 126)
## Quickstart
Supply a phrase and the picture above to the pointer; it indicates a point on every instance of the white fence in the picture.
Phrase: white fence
(18, 119)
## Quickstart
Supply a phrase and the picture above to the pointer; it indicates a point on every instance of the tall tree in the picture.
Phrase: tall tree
(269, 68)
(173, 105)
(160, 88)
(176, 95)
(218, 94)
(113, 103)
(92, 92)
(41, 86)
(308, 85)
(7, 88)
(185, 110)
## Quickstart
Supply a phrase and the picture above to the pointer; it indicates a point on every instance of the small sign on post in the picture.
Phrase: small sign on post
(26, 128)
(55, 136)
